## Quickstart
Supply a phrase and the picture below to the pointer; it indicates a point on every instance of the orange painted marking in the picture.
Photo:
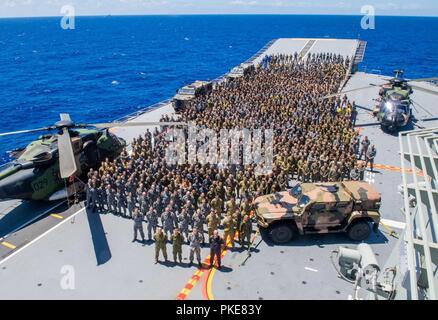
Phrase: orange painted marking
(206, 284)
(190, 284)
(395, 169)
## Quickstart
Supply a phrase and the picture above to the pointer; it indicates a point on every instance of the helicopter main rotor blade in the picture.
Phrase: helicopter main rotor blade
(423, 108)
(424, 79)
(67, 161)
(24, 131)
(413, 86)
(131, 124)
(346, 91)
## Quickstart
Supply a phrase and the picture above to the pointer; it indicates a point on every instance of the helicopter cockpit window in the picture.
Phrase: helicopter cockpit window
(114, 138)
(402, 108)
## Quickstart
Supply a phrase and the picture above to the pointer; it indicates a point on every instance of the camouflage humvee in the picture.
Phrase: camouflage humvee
(188, 93)
(348, 206)
(243, 70)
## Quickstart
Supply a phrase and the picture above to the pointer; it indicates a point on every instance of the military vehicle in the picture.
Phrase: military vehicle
(394, 109)
(241, 70)
(188, 93)
(348, 206)
(38, 170)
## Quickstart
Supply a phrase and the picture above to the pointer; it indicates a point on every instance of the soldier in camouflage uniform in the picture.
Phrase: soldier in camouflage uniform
(229, 229)
(195, 240)
(138, 225)
(120, 200)
(315, 171)
(231, 206)
(111, 200)
(152, 219)
(160, 244)
(245, 231)
(217, 205)
(355, 174)
(198, 220)
(184, 222)
(213, 222)
(168, 221)
(101, 198)
(324, 171)
(91, 196)
(177, 242)
(130, 203)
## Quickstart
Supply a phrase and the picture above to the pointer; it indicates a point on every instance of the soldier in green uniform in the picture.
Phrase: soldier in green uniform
(217, 205)
(243, 185)
(245, 231)
(231, 206)
(160, 244)
(245, 207)
(177, 242)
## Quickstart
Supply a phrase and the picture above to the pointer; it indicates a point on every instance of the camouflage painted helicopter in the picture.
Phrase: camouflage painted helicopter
(394, 109)
(40, 170)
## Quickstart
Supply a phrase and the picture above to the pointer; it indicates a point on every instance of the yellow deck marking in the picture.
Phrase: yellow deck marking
(57, 216)
(8, 245)
(209, 282)
(210, 295)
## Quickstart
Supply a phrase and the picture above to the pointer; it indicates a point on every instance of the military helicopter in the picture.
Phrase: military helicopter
(40, 171)
(394, 109)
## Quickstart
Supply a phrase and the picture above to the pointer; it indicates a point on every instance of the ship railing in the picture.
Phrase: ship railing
(223, 77)
(144, 110)
(215, 81)
(359, 50)
(419, 162)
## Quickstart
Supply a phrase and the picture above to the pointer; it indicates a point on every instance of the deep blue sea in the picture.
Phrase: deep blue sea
(111, 66)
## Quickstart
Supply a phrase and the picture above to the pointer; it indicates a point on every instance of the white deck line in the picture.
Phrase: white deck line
(40, 236)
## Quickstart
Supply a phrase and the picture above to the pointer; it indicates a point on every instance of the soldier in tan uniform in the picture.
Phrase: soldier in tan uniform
(213, 221)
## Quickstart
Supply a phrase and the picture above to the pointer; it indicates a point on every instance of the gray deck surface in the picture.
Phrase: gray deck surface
(344, 47)
(108, 266)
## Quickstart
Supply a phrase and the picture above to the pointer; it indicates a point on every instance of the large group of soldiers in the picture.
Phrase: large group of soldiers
(314, 141)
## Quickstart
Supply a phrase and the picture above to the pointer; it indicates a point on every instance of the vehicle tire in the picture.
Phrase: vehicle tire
(359, 230)
(281, 233)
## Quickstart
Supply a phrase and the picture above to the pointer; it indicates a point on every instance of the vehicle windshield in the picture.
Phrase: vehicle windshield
(186, 91)
(303, 201)
(237, 70)
(296, 191)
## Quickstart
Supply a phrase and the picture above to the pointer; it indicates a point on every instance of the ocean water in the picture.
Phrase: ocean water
(112, 66)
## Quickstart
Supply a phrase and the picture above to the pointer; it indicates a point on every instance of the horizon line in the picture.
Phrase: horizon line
(218, 14)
